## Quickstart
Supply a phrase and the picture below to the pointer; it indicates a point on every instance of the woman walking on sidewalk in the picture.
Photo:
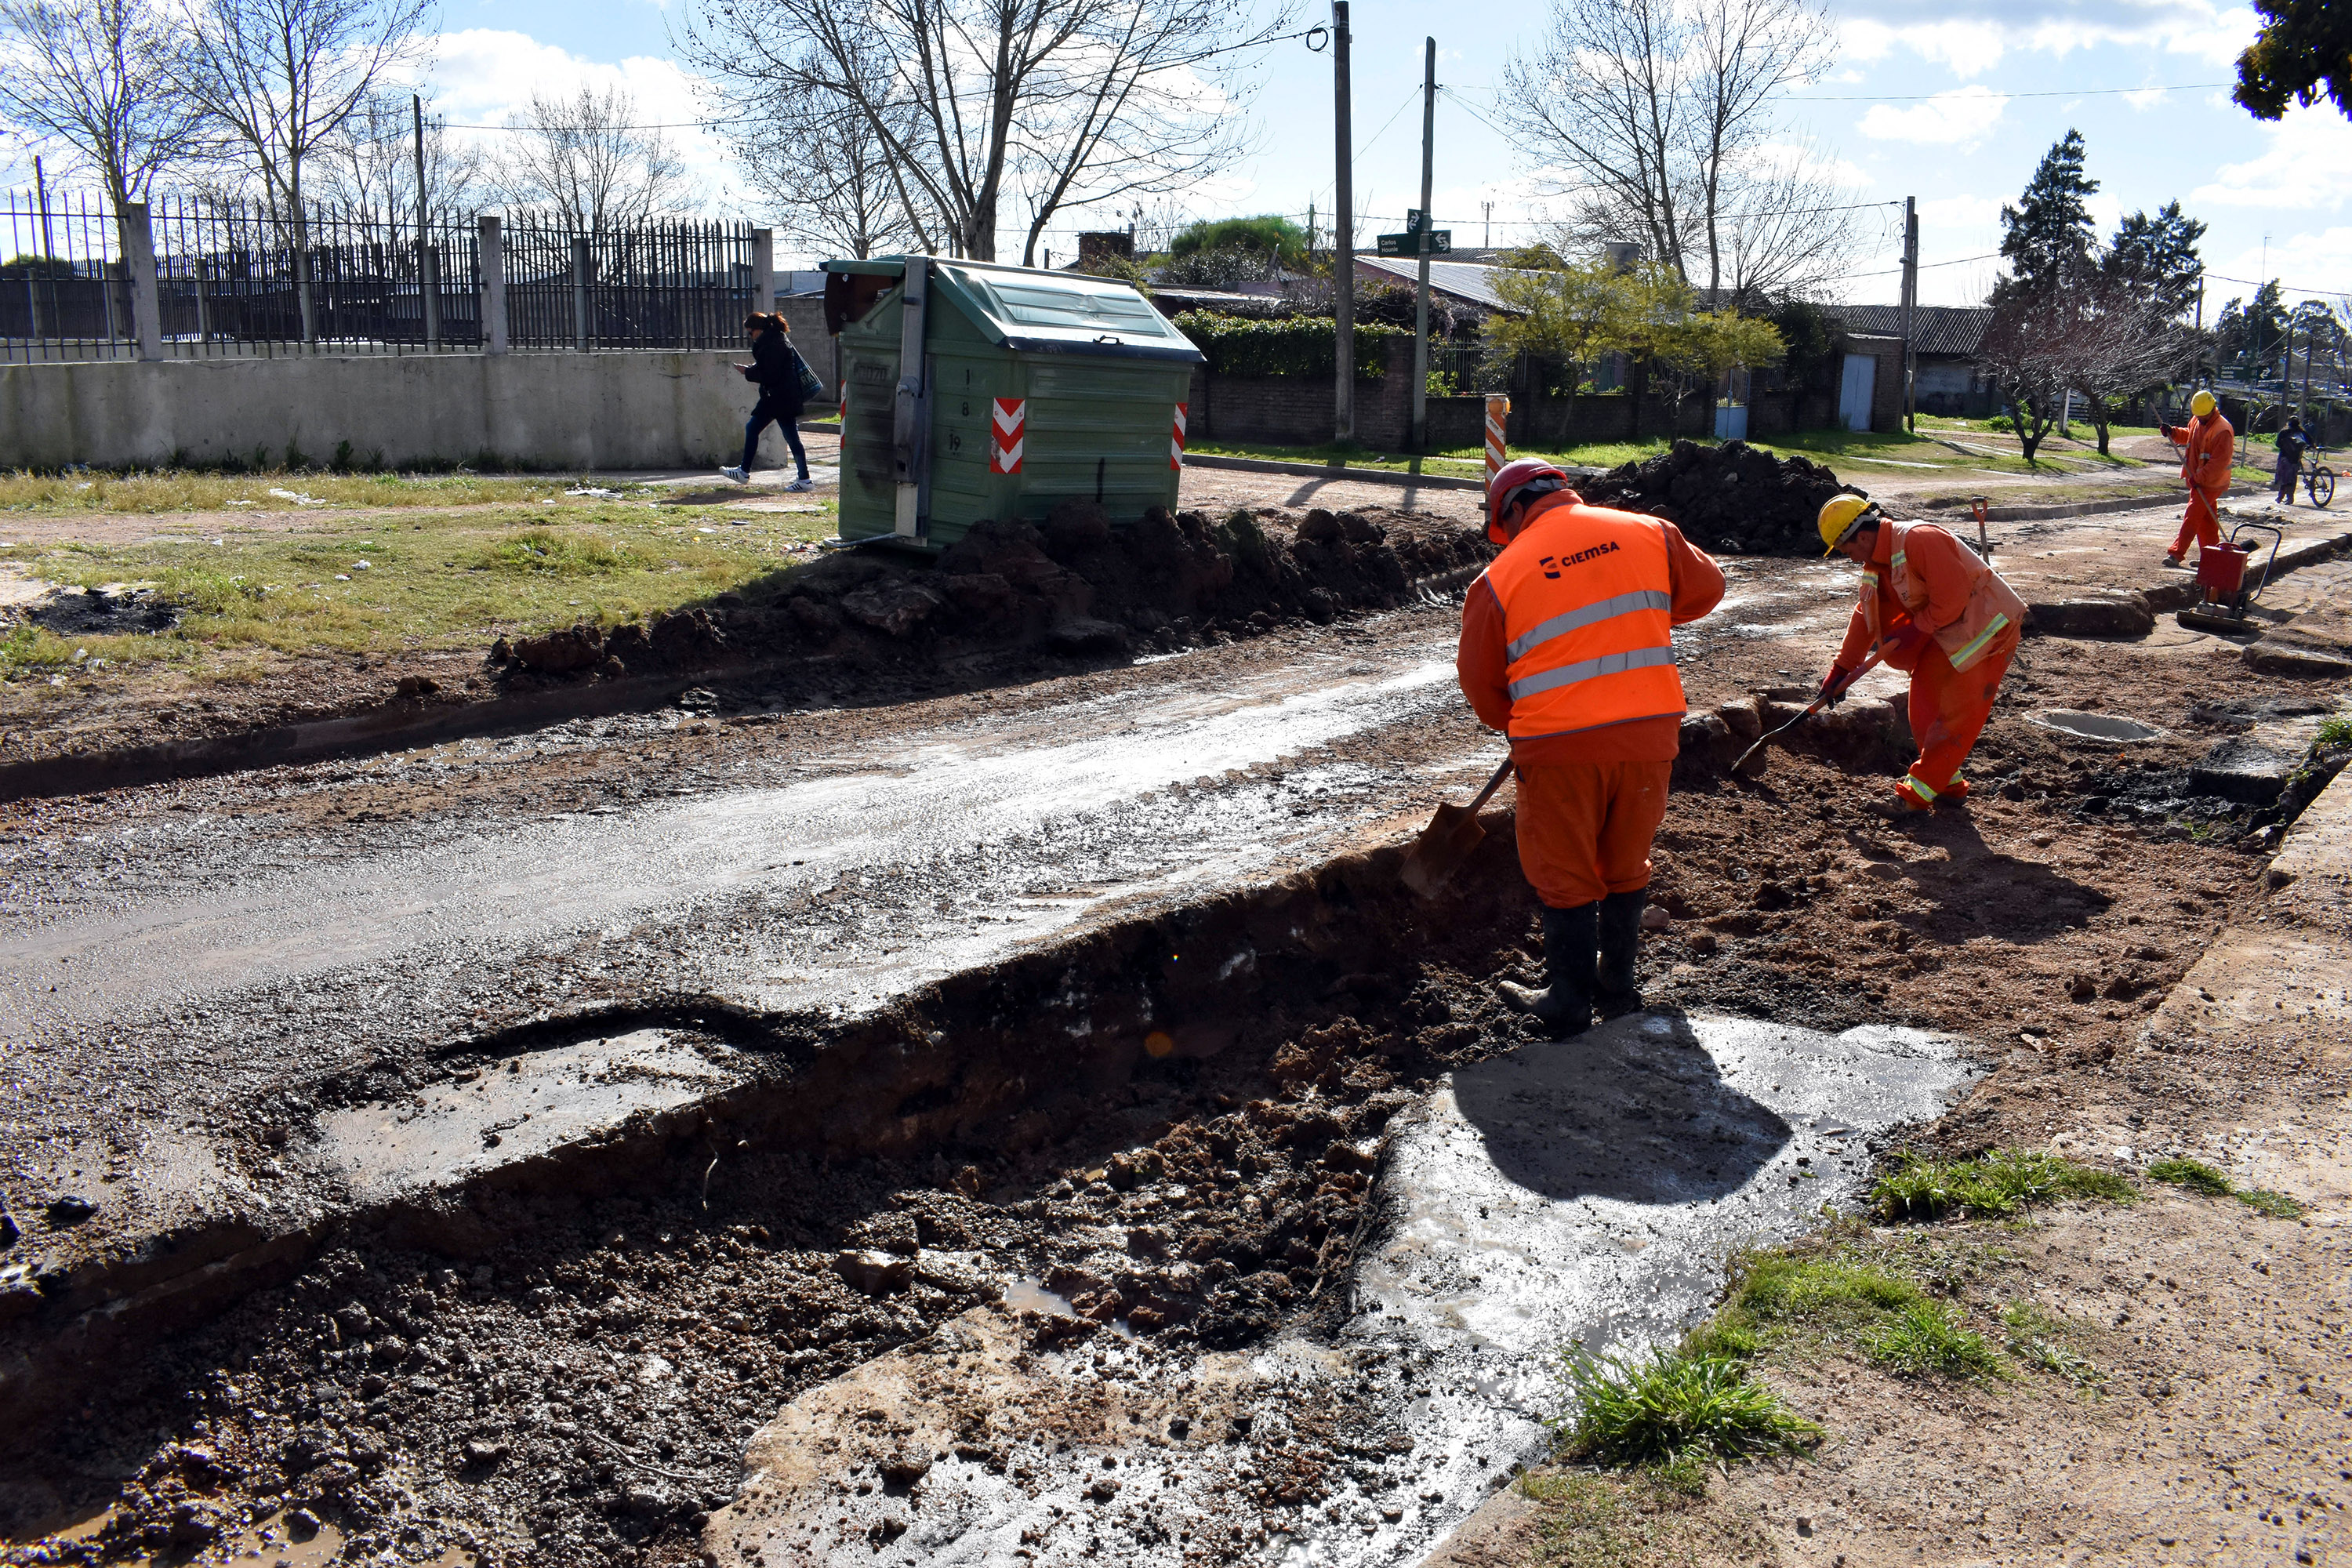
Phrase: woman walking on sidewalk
(783, 378)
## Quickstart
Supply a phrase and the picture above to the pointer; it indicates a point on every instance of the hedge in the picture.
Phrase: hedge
(1302, 345)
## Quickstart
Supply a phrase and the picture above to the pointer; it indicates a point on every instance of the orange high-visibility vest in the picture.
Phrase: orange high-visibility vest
(1587, 598)
(2212, 446)
(1993, 606)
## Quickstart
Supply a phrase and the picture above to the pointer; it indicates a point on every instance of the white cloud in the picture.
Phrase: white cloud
(2307, 164)
(2146, 99)
(1961, 212)
(2207, 30)
(1961, 118)
(1861, 39)
(486, 75)
(1969, 48)
(2316, 264)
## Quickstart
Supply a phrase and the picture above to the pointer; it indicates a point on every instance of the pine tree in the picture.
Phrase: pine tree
(2159, 256)
(2047, 237)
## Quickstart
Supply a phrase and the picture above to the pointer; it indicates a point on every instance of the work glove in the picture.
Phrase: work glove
(1833, 686)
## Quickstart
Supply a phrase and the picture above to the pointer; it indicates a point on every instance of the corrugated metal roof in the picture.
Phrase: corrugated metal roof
(1955, 329)
(1463, 280)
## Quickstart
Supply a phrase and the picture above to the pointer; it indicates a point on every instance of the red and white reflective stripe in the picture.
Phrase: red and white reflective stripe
(1011, 421)
(1498, 409)
(1176, 438)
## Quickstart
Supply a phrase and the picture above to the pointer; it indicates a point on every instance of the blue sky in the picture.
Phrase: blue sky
(1953, 107)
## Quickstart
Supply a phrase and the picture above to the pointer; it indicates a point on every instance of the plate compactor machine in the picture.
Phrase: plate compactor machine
(2221, 574)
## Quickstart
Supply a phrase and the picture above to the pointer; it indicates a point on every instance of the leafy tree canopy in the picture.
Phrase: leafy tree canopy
(1536, 257)
(50, 266)
(2305, 49)
(2158, 255)
(1267, 233)
(2048, 235)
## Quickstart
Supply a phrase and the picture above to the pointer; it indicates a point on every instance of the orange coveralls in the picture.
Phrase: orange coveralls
(1589, 800)
(2210, 447)
(1950, 707)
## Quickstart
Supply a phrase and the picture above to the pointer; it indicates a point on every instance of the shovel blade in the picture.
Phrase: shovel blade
(1439, 852)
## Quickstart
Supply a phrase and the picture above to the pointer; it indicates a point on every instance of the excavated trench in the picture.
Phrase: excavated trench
(1152, 1243)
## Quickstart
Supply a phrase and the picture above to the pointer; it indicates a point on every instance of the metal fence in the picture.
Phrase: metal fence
(238, 278)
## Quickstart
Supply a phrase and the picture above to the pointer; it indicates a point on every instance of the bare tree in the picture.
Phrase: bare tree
(1661, 111)
(98, 77)
(373, 164)
(1066, 102)
(2123, 340)
(585, 156)
(830, 182)
(2027, 354)
(282, 77)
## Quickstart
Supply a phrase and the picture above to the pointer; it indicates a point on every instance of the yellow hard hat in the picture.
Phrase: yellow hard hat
(2202, 403)
(1840, 515)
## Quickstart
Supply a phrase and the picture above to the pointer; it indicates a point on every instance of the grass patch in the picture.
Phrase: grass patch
(2199, 1177)
(431, 580)
(1349, 455)
(2039, 1340)
(1996, 1185)
(1927, 1339)
(1673, 1408)
(193, 489)
(1636, 1521)
(2336, 731)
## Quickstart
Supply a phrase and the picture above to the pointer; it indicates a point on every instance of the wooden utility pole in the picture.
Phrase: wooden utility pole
(1423, 237)
(1343, 239)
(1910, 302)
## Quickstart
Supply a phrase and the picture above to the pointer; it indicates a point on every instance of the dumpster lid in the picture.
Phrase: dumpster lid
(1034, 310)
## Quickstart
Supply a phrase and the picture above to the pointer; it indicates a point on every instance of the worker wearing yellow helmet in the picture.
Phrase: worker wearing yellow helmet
(1936, 610)
(2208, 446)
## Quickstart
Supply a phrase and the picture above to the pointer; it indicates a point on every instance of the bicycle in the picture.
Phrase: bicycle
(2319, 480)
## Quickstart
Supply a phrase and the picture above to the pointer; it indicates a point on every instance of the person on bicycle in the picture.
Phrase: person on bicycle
(2291, 445)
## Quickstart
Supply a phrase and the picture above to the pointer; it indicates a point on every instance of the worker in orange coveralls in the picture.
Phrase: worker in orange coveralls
(2208, 448)
(1937, 611)
(1567, 647)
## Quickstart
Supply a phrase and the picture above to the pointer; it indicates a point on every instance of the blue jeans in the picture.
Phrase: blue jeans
(786, 416)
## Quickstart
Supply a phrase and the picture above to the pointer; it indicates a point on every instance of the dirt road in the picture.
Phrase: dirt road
(551, 1111)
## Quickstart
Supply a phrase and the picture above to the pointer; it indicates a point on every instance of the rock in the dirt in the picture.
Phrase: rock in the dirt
(1084, 633)
(875, 1273)
(417, 686)
(2267, 657)
(905, 1467)
(559, 653)
(482, 1453)
(2242, 769)
(70, 1209)
(2125, 616)
(895, 606)
(1655, 919)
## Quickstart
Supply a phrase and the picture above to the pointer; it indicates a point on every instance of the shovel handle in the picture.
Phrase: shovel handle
(1813, 707)
(1493, 784)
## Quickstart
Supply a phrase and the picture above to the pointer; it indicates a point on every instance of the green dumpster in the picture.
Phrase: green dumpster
(976, 391)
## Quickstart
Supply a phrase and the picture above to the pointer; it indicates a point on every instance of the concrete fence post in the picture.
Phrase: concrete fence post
(763, 272)
(583, 261)
(146, 298)
(491, 261)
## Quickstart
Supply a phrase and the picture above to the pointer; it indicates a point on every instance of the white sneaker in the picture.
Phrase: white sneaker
(738, 475)
(802, 483)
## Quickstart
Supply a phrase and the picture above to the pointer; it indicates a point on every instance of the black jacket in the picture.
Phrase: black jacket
(776, 369)
(2292, 446)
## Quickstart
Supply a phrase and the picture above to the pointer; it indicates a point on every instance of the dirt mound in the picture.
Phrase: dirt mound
(1736, 498)
(1075, 587)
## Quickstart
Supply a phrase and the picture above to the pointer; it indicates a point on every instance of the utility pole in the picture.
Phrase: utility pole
(1421, 244)
(1488, 212)
(1343, 238)
(1910, 304)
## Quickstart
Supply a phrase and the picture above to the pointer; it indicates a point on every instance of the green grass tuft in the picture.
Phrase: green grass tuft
(2199, 1177)
(1672, 1409)
(2336, 731)
(2261, 1200)
(1927, 1339)
(2037, 1338)
(1993, 1186)
(2193, 1174)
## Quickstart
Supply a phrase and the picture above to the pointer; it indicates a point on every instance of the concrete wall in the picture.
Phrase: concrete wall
(534, 410)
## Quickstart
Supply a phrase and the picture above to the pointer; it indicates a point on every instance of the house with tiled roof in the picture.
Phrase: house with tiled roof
(1945, 342)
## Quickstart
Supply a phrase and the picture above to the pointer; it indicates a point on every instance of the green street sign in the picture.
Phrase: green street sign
(1440, 241)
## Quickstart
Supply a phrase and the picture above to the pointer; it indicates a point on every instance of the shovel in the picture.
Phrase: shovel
(1448, 840)
(1812, 708)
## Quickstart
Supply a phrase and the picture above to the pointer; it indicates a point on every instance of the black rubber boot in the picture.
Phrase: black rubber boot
(1620, 939)
(1565, 1005)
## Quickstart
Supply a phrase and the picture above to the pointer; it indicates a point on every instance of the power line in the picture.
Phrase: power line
(1979, 96)
(1892, 271)
(2283, 288)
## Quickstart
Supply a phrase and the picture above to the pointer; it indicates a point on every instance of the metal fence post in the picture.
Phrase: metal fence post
(428, 285)
(583, 258)
(763, 270)
(146, 300)
(491, 260)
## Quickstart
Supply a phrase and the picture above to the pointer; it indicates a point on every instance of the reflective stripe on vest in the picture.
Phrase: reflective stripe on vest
(1586, 600)
(1987, 615)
